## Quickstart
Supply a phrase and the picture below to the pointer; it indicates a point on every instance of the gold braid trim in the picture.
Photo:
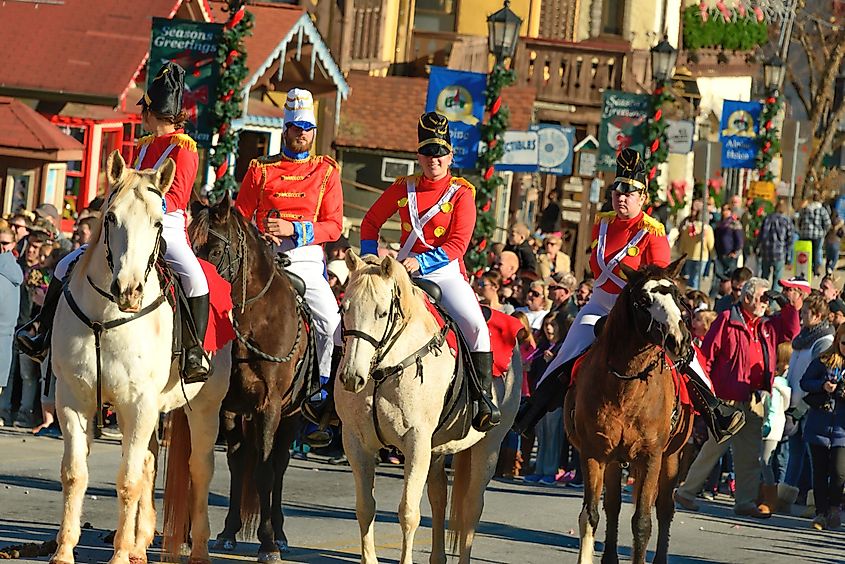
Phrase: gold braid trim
(652, 226)
(464, 182)
(609, 215)
(184, 142)
(146, 140)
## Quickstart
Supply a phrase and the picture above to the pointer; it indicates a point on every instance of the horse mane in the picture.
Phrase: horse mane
(200, 225)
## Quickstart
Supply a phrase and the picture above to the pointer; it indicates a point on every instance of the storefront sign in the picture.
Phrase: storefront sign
(521, 152)
(623, 117)
(459, 96)
(738, 133)
(679, 134)
(763, 190)
(556, 144)
(192, 46)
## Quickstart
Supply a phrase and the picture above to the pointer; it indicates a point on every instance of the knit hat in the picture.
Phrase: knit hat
(164, 95)
(798, 284)
(339, 269)
(299, 109)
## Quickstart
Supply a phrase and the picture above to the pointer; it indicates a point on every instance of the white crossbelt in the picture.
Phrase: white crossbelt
(417, 222)
(159, 162)
(607, 268)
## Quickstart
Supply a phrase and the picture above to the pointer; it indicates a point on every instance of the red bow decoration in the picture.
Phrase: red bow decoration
(192, 98)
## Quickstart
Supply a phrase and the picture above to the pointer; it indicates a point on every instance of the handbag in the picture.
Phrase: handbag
(819, 400)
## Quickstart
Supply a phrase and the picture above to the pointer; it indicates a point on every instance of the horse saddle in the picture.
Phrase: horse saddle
(429, 287)
(283, 262)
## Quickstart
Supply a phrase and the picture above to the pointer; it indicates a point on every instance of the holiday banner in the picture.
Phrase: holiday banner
(556, 144)
(192, 46)
(623, 119)
(459, 95)
(738, 133)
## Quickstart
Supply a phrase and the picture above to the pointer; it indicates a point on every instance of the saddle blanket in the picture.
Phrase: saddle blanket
(451, 338)
(679, 380)
(220, 330)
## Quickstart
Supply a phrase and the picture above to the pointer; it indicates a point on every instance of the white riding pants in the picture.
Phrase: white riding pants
(460, 301)
(582, 334)
(308, 263)
(179, 256)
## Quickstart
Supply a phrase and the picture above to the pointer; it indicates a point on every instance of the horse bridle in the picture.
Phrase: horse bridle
(396, 324)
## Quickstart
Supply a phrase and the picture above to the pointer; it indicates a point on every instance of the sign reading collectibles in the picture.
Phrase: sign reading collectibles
(192, 46)
(623, 119)
(459, 95)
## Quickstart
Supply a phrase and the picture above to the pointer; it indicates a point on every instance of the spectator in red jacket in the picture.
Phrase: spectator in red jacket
(740, 351)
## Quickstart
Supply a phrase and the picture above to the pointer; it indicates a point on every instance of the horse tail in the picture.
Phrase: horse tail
(250, 503)
(177, 482)
(462, 463)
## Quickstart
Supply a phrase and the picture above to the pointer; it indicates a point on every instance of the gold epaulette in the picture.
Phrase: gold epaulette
(266, 160)
(184, 141)
(652, 226)
(329, 160)
(464, 182)
(405, 179)
(611, 215)
(146, 140)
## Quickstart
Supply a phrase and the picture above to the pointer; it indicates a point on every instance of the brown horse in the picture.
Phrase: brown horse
(623, 412)
(272, 365)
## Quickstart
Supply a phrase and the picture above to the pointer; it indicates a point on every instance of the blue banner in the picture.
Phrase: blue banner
(556, 143)
(738, 133)
(459, 96)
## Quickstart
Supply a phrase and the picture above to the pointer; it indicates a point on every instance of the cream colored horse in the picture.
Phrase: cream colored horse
(136, 368)
(381, 306)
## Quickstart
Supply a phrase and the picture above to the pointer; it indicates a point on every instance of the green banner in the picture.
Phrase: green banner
(623, 120)
(193, 46)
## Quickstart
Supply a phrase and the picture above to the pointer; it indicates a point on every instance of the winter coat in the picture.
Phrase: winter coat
(562, 263)
(823, 428)
(813, 221)
(726, 347)
(801, 359)
(527, 258)
(690, 240)
(11, 278)
(776, 404)
(729, 237)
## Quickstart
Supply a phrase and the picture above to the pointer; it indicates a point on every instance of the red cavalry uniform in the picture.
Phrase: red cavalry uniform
(152, 152)
(634, 242)
(504, 330)
(447, 232)
(306, 192)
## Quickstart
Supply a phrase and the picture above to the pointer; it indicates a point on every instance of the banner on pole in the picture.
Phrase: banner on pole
(623, 119)
(738, 133)
(459, 95)
(555, 145)
(193, 46)
(521, 152)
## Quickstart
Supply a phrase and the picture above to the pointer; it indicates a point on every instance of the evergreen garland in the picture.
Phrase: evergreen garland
(768, 137)
(231, 57)
(492, 133)
(657, 148)
(730, 28)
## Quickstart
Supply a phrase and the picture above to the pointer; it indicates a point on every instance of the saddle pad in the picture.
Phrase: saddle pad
(220, 330)
(451, 338)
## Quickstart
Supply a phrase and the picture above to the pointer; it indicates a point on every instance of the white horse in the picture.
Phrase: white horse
(385, 323)
(115, 287)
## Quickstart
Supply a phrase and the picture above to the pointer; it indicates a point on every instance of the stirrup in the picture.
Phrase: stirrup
(35, 347)
(486, 419)
(193, 371)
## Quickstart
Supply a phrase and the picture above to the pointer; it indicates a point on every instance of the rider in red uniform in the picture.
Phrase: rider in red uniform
(629, 236)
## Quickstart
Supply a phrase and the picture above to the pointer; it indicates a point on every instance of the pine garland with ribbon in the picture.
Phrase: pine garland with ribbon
(492, 134)
(768, 137)
(656, 141)
(231, 58)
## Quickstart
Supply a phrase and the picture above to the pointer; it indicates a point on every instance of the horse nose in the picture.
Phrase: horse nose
(353, 383)
(129, 298)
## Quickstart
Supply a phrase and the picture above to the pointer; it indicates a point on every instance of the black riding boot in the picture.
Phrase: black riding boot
(487, 416)
(37, 346)
(321, 411)
(196, 362)
(722, 420)
(546, 397)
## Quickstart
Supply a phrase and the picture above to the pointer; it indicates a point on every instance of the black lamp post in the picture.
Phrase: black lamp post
(663, 58)
(773, 71)
(503, 33)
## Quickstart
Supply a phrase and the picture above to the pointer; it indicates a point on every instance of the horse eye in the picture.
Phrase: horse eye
(111, 217)
(381, 315)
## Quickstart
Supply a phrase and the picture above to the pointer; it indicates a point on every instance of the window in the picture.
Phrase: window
(613, 17)
(391, 169)
(20, 191)
(112, 139)
(435, 15)
(74, 175)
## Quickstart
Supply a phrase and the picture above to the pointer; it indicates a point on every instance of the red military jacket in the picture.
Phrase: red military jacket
(446, 235)
(152, 151)
(306, 192)
(635, 242)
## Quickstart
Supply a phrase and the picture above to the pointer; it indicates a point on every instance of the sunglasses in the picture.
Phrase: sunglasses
(4, 243)
(547, 243)
(534, 294)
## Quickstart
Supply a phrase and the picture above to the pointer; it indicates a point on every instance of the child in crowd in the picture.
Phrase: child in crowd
(775, 404)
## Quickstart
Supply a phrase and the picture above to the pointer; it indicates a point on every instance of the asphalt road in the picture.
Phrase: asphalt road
(523, 524)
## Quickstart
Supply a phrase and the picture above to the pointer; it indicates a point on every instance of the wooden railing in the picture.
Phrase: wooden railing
(453, 50)
(570, 73)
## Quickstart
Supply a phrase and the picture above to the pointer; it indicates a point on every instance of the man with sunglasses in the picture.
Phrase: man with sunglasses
(627, 235)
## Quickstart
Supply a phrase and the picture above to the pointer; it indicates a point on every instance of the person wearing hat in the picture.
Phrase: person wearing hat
(49, 213)
(163, 117)
(623, 235)
(296, 201)
(437, 212)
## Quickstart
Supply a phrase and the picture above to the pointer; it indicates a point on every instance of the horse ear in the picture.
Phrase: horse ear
(196, 208)
(353, 261)
(674, 269)
(166, 173)
(388, 266)
(630, 273)
(115, 167)
(223, 207)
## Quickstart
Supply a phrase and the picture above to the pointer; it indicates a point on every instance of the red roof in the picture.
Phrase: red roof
(88, 47)
(21, 127)
(382, 113)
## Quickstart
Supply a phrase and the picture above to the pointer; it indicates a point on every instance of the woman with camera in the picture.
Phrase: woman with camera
(824, 382)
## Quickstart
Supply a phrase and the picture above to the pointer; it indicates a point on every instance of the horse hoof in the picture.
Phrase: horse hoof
(57, 561)
(269, 557)
(283, 546)
(226, 544)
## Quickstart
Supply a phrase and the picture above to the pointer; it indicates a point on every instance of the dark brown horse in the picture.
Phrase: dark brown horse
(271, 368)
(623, 412)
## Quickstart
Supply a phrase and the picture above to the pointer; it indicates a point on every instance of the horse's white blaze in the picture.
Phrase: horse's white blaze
(663, 308)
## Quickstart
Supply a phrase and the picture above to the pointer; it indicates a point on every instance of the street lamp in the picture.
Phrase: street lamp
(773, 70)
(503, 33)
(663, 58)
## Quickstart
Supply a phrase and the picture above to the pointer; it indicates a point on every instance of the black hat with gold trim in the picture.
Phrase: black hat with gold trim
(164, 96)
(433, 135)
(630, 172)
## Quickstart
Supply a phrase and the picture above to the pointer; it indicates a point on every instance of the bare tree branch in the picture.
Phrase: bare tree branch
(812, 60)
(800, 89)
(822, 36)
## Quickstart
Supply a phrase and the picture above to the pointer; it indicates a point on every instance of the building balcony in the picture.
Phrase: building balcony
(446, 49)
(715, 61)
(569, 73)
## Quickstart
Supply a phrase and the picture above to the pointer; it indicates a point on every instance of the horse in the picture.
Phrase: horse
(385, 321)
(261, 409)
(98, 356)
(623, 412)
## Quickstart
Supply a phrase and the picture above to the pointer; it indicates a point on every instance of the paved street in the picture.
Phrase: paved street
(522, 524)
